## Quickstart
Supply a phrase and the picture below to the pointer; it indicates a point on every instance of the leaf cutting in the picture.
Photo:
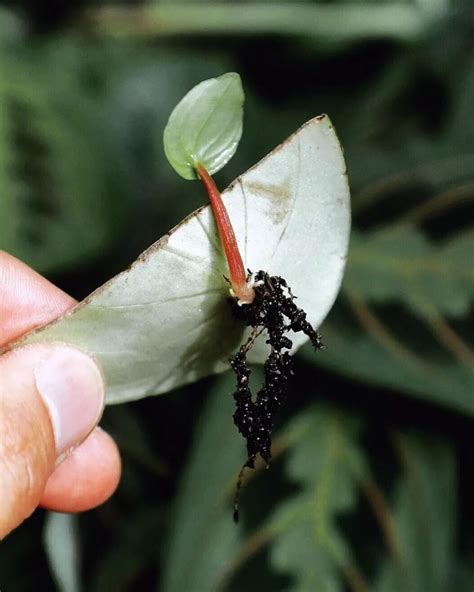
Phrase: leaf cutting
(189, 303)
(263, 302)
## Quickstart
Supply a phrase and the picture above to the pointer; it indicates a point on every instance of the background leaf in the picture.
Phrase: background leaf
(55, 168)
(429, 279)
(62, 547)
(132, 550)
(362, 350)
(424, 514)
(205, 541)
(327, 464)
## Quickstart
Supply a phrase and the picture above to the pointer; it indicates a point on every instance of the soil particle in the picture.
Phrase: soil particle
(274, 312)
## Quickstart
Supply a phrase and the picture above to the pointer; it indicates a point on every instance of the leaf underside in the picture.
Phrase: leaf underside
(165, 321)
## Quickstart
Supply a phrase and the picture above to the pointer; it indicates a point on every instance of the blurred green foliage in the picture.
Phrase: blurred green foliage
(370, 487)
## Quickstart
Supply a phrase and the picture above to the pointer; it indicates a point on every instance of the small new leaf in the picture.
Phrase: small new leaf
(205, 126)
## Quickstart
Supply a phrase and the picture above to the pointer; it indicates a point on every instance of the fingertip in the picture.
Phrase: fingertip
(86, 478)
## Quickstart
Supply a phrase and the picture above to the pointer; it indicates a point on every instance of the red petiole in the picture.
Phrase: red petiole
(241, 287)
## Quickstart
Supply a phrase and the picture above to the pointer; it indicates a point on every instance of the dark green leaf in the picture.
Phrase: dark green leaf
(372, 359)
(327, 463)
(425, 519)
(133, 549)
(399, 263)
(203, 538)
(54, 168)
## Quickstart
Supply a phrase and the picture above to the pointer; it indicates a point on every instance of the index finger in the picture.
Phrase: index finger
(27, 299)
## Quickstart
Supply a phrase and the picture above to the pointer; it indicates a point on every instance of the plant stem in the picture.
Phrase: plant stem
(238, 276)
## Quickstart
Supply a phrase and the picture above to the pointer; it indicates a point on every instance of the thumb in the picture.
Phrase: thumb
(51, 397)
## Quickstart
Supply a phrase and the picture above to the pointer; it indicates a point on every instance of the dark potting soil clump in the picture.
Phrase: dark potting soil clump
(275, 312)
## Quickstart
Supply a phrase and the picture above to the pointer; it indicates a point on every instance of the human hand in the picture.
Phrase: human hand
(51, 399)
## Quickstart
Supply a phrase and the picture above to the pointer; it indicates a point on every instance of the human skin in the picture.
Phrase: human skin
(71, 469)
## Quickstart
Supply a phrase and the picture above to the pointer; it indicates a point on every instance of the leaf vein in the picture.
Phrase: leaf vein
(293, 203)
(157, 302)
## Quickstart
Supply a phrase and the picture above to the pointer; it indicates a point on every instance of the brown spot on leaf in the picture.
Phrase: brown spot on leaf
(279, 197)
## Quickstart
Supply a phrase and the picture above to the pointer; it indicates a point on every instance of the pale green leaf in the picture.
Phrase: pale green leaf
(61, 541)
(205, 126)
(166, 321)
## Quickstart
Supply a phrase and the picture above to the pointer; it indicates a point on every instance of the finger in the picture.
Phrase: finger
(27, 300)
(86, 478)
(51, 398)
